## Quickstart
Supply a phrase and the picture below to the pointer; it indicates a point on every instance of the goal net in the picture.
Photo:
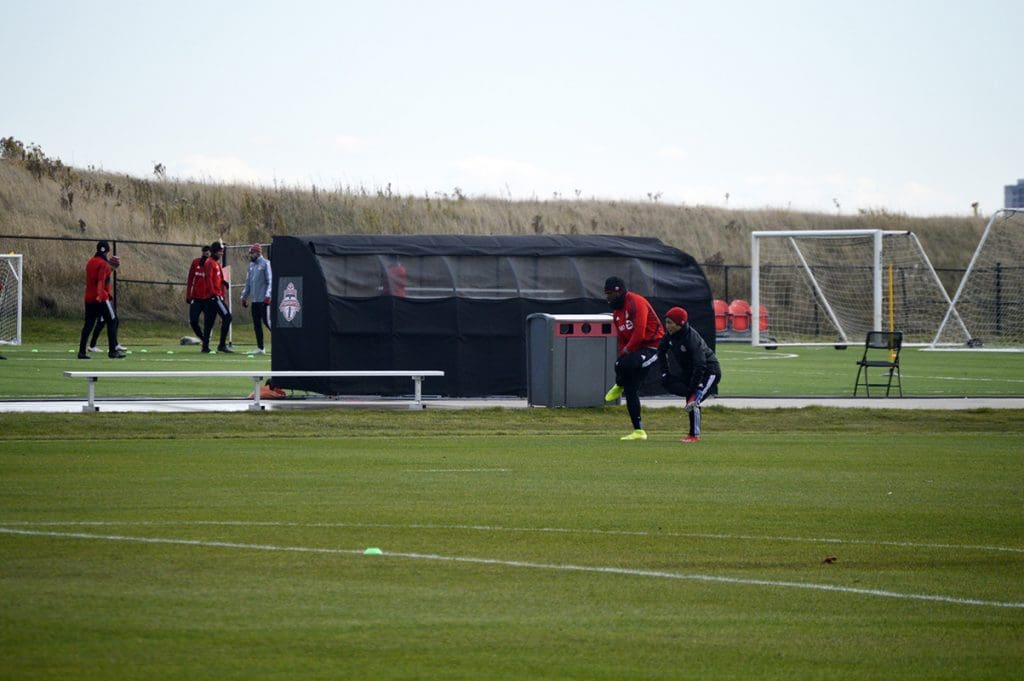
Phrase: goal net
(830, 287)
(10, 299)
(990, 298)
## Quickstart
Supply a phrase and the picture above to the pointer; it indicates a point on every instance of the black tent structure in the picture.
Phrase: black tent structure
(454, 303)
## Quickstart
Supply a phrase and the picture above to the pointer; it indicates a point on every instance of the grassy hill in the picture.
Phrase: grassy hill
(40, 196)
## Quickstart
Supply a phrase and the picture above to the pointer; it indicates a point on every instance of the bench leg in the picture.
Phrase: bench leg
(418, 392)
(256, 406)
(91, 388)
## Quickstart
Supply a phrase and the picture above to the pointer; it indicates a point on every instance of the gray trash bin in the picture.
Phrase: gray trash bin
(570, 359)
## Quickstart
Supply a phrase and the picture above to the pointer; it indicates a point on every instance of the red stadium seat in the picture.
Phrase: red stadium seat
(762, 319)
(739, 315)
(721, 315)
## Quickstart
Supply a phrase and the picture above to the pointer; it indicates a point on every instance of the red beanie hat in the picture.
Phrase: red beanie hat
(256, 248)
(678, 315)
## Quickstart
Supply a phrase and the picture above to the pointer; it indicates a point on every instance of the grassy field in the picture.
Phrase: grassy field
(35, 369)
(515, 544)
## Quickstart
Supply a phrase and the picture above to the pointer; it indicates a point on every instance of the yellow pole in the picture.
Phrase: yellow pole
(892, 313)
(892, 303)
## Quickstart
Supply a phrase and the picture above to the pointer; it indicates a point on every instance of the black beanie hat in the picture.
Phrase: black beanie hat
(614, 284)
(102, 247)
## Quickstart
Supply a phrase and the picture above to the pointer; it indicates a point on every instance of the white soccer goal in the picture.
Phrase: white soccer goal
(990, 298)
(830, 287)
(10, 299)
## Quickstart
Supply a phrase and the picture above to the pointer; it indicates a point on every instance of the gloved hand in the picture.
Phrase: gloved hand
(188, 300)
(266, 301)
(245, 303)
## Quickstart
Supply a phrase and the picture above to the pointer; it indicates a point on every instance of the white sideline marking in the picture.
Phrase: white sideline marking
(758, 356)
(525, 564)
(458, 470)
(494, 528)
(978, 379)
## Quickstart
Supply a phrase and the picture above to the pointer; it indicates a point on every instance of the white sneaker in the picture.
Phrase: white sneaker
(258, 351)
(94, 349)
(120, 347)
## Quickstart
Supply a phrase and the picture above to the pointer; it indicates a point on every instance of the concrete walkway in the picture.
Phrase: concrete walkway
(205, 405)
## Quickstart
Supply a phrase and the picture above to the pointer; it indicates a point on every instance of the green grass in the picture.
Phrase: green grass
(35, 369)
(518, 544)
(913, 504)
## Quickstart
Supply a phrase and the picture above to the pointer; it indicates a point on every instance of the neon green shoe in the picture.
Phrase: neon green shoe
(635, 435)
(614, 393)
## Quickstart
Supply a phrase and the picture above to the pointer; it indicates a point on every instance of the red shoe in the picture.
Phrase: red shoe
(690, 438)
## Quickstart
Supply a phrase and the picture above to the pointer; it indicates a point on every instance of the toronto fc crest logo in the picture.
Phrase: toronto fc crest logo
(290, 306)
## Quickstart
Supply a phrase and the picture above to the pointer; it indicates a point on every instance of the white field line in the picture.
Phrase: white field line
(978, 379)
(959, 379)
(528, 565)
(760, 356)
(495, 528)
(457, 470)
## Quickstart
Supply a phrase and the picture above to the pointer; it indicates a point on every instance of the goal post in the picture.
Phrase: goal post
(830, 287)
(10, 299)
(989, 301)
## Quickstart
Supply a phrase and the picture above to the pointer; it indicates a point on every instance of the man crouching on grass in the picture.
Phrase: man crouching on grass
(696, 366)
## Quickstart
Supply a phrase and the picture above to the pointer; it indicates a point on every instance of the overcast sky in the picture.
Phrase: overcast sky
(908, 106)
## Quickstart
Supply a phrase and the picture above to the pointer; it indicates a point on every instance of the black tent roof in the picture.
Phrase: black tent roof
(540, 245)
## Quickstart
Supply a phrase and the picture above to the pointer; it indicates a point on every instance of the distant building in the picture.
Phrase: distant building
(1014, 195)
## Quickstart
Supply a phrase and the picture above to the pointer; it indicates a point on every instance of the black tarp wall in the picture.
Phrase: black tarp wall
(461, 305)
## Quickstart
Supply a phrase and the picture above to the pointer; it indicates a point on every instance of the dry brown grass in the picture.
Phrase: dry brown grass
(122, 207)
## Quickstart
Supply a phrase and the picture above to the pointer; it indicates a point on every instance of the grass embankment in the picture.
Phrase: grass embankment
(109, 205)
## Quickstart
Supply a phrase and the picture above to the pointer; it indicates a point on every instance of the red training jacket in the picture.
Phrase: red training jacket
(97, 280)
(196, 288)
(214, 278)
(396, 280)
(637, 324)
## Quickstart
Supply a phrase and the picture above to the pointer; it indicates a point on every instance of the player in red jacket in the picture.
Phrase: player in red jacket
(216, 302)
(101, 325)
(97, 301)
(396, 278)
(196, 291)
(639, 332)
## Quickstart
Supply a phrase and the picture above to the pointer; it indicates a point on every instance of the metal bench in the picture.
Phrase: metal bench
(257, 378)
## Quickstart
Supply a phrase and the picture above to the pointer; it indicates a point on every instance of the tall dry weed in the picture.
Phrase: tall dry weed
(113, 206)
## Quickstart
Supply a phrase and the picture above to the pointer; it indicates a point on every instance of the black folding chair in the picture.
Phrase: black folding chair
(881, 351)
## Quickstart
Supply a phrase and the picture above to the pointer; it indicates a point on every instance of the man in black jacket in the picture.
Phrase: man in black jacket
(696, 372)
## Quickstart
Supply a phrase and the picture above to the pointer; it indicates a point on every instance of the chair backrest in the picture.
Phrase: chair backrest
(739, 315)
(762, 317)
(721, 314)
(884, 340)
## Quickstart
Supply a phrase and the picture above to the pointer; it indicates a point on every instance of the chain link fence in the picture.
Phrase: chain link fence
(149, 284)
